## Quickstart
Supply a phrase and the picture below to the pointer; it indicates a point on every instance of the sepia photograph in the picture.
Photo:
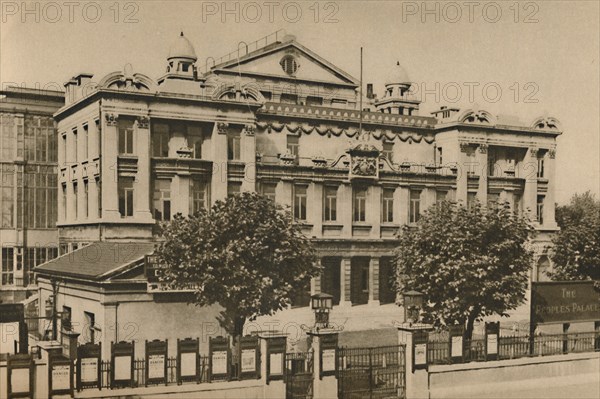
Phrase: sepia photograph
(353, 199)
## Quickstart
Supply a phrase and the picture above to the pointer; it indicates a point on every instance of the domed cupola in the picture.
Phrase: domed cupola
(181, 59)
(397, 99)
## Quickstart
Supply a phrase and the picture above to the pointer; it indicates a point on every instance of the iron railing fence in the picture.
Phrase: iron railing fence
(514, 346)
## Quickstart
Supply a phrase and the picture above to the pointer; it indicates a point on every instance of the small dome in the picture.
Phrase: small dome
(182, 48)
(397, 75)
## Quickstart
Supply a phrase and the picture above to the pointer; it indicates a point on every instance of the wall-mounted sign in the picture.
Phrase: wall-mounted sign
(328, 360)
(420, 354)
(19, 380)
(219, 362)
(565, 302)
(188, 364)
(156, 366)
(492, 344)
(276, 364)
(89, 370)
(122, 367)
(248, 360)
(61, 377)
(457, 346)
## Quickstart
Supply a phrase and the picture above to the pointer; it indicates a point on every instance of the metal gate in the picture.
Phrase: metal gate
(374, 373)
(299, 375)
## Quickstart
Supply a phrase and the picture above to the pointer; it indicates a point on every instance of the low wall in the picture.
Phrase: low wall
(253, 389)
(573, 375)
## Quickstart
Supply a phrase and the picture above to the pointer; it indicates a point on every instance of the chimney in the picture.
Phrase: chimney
(370, 91)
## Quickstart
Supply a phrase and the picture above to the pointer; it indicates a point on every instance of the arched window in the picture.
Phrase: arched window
(289, 64)
(543, 268)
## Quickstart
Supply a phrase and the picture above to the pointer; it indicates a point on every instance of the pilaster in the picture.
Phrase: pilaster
(142, 182)
(531, 183)
(345, 281)
(482, 161)
(248, 156)
(110, 197)
(549, 201)
(374, 281)
(218, 188)
(462, 177)
(401, 211)
(374, 210)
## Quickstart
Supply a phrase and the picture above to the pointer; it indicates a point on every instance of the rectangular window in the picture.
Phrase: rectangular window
(492, 200)
(7, 196)
(233, 146)
(359, 204)
(540, 167)
(98, 136)
(86, 208)
(67, 315)
(387, 205)
(64, 201)
(268, 190)
(160, 140)
(440, 156)
(99, 199)
(364, 280)
(300, 197)
(76, 201)
(287, 98)
(75, 145)
(84, 153)
(314, 101)
(7, 266)
(492, 163)
(90, 322)
(63, 158)
(233, 188)
(540, 209)
(195, 140)
(471, 198)
(330, 203)
(125, 135)
(293, 146)
(440, 196)
(162, 199)
(125, 189)
(198, 195)
(415, 206)
(388, 151)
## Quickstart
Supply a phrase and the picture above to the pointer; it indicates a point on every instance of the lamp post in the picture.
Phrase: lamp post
(321, 304)
(413, 302)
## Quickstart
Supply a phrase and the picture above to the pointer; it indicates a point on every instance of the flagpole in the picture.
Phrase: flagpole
(361, 94)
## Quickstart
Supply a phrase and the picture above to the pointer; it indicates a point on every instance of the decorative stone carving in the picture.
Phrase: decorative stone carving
(483, 148)
(552, 154)
(319, 161)
(364, 160)
(533, 152)
(185, 152)
(143, 122)
(249, 130)
(259, 157)
(464, 147)
(222, 127)
(287, 158)
(111, 119)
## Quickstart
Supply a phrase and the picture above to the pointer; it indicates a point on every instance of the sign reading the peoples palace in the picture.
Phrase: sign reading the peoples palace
(564, 302)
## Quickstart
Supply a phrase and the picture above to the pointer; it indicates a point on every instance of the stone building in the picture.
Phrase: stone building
(283, 121)
(28, 186)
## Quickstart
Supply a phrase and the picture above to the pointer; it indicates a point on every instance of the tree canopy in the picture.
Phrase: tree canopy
(577, 246)
(245, 253)
(469, 262)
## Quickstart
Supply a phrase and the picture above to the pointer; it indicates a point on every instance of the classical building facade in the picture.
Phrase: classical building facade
(282, 121)
(28, 186)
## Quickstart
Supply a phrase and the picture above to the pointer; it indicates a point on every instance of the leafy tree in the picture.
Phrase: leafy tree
(577, 246)
(245, 254)
(469, 262)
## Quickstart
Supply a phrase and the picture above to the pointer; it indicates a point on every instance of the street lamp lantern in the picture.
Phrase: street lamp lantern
(413, 302)
(321, 304)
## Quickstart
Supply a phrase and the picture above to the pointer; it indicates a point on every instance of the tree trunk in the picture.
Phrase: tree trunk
(238, 331)
(470, 323)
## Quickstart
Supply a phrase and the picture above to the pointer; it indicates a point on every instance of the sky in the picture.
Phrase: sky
(525, 59)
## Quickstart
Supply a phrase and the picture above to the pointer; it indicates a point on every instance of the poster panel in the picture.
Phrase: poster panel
(61, 377)
(123, 368)
(275, 364)
(19, 380)
(420, 354)
(457, 346)
(89, 369)
(219, 362)
(156, 366)
(248, 360)
(188, 364)
(328, 360)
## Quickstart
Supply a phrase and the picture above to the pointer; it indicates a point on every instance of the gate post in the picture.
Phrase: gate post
(273, 347)
(414, 336)
(324, 346)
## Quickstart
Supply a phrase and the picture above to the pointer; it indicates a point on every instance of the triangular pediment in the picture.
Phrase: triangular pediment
(310, 66)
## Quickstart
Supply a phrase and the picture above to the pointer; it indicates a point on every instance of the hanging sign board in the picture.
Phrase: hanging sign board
(565, 302)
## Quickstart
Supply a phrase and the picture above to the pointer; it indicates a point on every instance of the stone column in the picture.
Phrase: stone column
(248, 156)
(110, 140)
(325, 387)
(417, 384)
(345, 281)
(315, 207)
(549, 202)
(142, 184)
(345, 208)
(462, 178)
(401, 205)
(374, 281)
(482, 160)
(530, 190)
(374, 210)
(218, 188)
